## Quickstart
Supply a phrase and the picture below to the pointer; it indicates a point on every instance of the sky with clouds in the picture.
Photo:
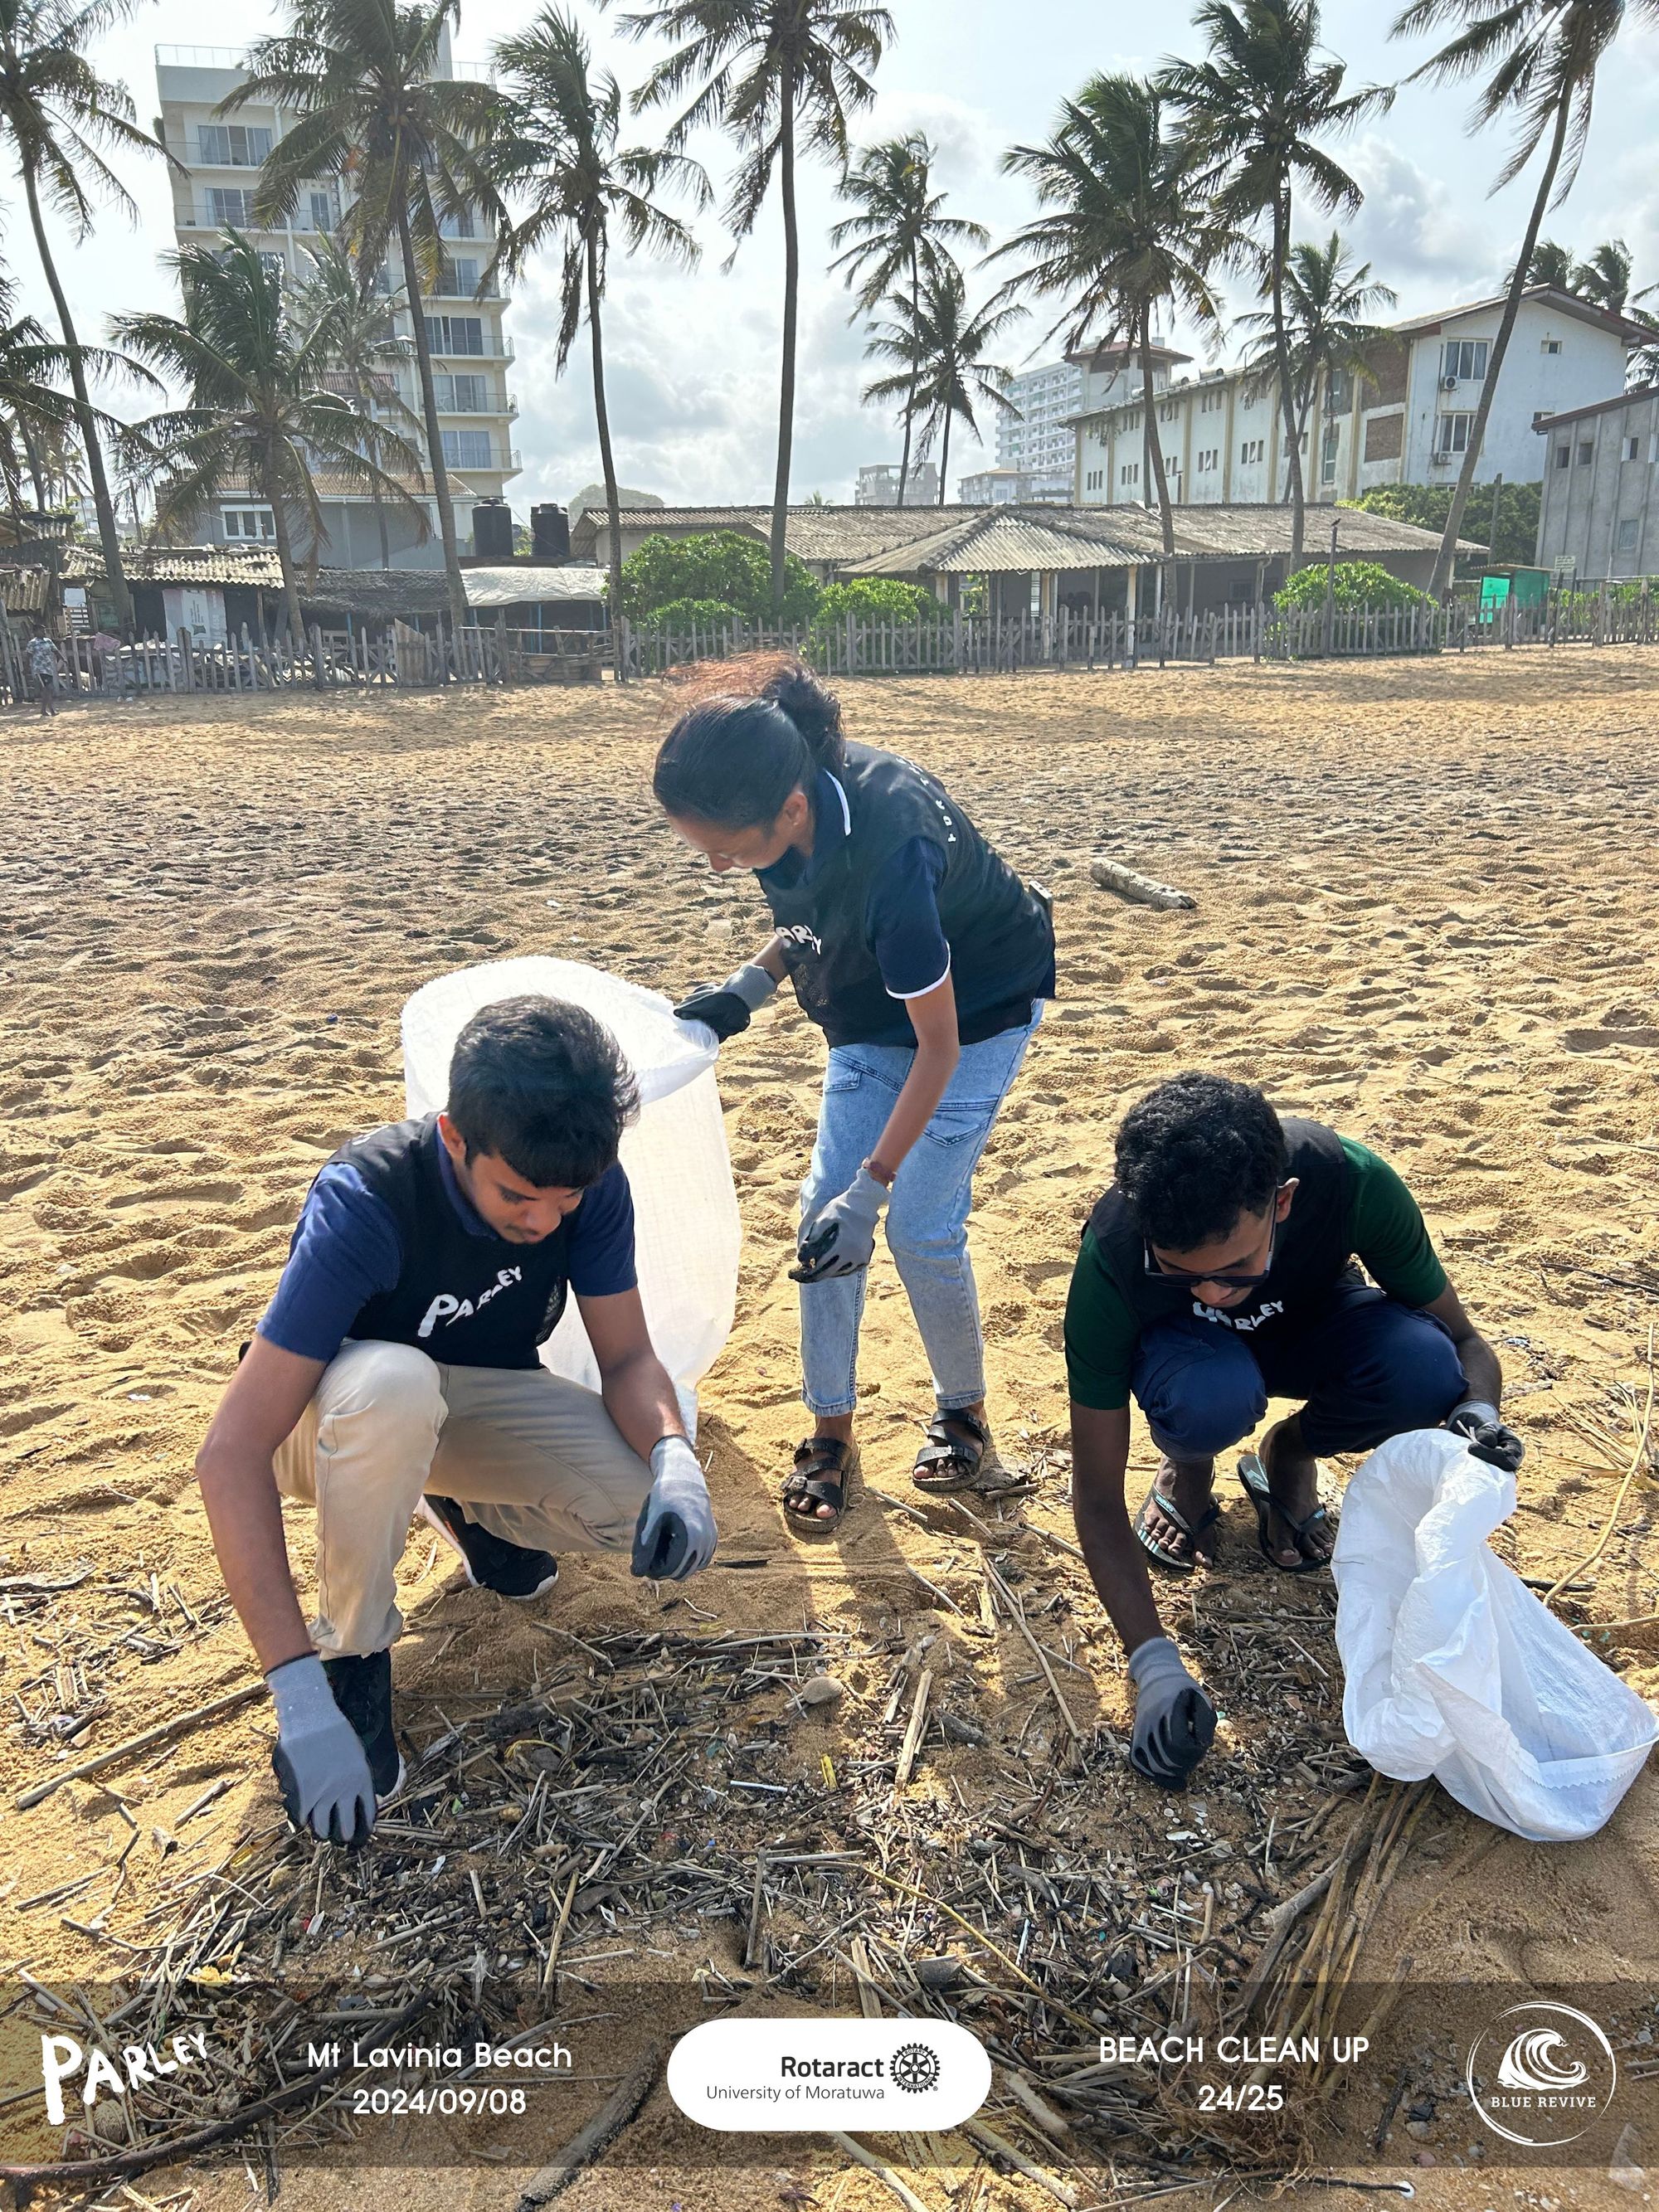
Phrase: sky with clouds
(693, 356)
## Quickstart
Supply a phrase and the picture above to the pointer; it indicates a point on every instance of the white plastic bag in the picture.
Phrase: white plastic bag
(685, 1209)
(1454, 1668)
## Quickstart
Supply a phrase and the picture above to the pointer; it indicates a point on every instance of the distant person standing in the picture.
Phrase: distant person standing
(925, 959)
(40, 664)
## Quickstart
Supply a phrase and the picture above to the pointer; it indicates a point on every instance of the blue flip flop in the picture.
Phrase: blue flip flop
(1172, 1562)
(1253, 1476)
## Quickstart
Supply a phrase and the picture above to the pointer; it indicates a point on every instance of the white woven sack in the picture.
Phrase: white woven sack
(1454, 1668)
(685, 1208)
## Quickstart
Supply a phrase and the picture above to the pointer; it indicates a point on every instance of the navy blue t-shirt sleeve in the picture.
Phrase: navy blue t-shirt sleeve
(601, 1247)
(902, 916)
(345, 1249)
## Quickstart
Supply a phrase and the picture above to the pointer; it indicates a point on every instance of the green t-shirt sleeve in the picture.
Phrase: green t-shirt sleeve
(1387, 1232)
(1101, 1335)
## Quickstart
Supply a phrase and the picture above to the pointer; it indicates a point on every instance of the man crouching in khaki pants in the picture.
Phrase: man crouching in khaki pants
(395, 1373)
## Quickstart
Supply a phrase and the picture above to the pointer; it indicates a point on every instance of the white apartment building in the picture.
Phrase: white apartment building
(1407, 421)
(1011, 488)
(879, 484)
(220, 158)
(1037, 440)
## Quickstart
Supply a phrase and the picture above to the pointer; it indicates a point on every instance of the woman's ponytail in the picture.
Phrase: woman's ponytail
(815, 712)
(760, 727)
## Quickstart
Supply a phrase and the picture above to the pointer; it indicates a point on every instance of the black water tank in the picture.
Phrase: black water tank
(549, 534)
(492, 530)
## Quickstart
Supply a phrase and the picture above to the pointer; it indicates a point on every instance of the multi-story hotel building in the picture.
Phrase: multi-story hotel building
(219, 158)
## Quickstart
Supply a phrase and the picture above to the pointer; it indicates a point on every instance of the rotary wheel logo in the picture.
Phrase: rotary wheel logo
(916, 2068)
(1555, 2074)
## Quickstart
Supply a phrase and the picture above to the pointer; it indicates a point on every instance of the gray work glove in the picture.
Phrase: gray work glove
(1175, 1721)
(1476, 1418)
(675, 1536)
(320, 1765)
(840, 1239)
(726, 1009)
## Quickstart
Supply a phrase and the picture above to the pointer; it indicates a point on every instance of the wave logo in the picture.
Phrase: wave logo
(1554, 2078)
(1530, 2063)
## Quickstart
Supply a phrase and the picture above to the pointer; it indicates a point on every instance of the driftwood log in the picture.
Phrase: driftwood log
(601, 2131)
(1140, 890)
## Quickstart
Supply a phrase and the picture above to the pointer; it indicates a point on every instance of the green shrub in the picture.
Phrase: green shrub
(1359, 584)
(682, 614)
(723, 567)
(1428, 505)
(877, 599)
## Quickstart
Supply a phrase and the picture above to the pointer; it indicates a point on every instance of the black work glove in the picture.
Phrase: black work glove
(1175, 1721)
(1476, 1418)
(726, 1008)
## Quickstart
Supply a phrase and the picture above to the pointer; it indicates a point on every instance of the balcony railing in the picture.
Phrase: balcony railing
(503, 461)
(230, 58)
(491, 348)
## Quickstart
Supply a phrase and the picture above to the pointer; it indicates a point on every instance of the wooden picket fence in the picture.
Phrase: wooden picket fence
(960, 644)
(953, 644)
(400, 656)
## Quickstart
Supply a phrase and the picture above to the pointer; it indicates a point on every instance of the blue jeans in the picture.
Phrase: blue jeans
(926, 1218)
(1367, 1367)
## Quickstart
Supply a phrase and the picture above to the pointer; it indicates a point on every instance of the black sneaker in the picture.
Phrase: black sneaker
(510, 1570)
(362, 1690)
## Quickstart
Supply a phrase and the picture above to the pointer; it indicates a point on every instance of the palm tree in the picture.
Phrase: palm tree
(260, 418)
(559, 151)
(361, 77)
(59, 113)
(1326, 301)
(941, 347)
(899, 232)
(39, 420)
(781, 76)
(1550, 264)
(1604, 279)
(1542, 57)
(355, 327)
(1125, 229)
(1257, 107)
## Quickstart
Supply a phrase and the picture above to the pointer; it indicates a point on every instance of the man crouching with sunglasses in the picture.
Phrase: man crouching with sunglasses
(1222, 1268)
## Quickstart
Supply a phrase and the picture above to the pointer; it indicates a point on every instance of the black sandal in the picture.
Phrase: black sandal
(944, 1451)
(821, 1475)
(1254, 1477)
(1174, 1563)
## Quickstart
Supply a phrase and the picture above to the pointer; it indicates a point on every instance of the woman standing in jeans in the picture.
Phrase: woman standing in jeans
(925, 960)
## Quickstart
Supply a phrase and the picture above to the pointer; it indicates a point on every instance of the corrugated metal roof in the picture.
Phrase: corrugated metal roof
(812, 533)
(254, 565)
(255, 568)
(23, 590)
(1564, 303)
(1009, 539)
(994, 540)
(511, 587)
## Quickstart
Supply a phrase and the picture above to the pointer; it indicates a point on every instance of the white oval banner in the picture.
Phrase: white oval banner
(746, 2075)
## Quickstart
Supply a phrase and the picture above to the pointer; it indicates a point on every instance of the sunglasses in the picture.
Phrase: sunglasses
(1184, 1279)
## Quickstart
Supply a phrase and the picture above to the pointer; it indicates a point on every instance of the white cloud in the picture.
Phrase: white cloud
(1416, 230)
(691, 374)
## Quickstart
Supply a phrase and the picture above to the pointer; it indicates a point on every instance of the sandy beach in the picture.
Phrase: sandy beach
(1426, 913)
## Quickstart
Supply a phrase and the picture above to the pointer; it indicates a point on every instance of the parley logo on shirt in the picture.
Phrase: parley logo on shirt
(1233, 1320)
(446, 1307)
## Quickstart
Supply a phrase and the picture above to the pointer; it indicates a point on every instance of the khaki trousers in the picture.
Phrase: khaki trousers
(536, 1460)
